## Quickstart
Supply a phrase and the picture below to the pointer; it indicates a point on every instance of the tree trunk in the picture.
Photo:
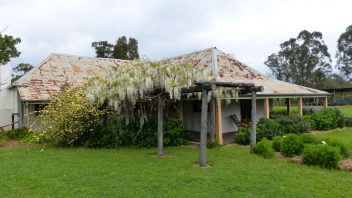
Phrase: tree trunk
(203, 129)
(160, 125)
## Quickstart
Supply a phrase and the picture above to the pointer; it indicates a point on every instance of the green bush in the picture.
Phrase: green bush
(3, 136)
(117, 134)
(322, 155)
(269, 128)
(212, 145)
(243, 136)
(348, 122)
(263, 148)
(307, 138)
(344, 149)
(291, 145)
(277, 141)
(19, 133)
(326, 119)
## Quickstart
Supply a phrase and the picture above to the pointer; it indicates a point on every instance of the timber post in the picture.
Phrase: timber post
(160, 125)
(254, 119)
(325, 102)
(300, 106)
(203, 129)
(212, 120)
(180, 111)
(288, 104)
(218, 123)
(266, 108)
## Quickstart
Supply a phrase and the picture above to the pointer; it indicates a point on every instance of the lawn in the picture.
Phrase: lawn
(80, 172)
(346, 110)
(343, 135)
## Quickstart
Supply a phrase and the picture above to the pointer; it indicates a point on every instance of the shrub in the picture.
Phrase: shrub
(116, 134)
(267, 128)
(348, 122)
(322, 155)
(307, 138)
(277, 141)
(326, 119)
(3, 136)
(67, 118)
(291, 145)
(212, 145)
(18, 133)
(243, 136)
(263, 148)
(344, 149)
(281, 125)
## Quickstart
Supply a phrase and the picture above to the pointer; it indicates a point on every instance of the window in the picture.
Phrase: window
(38, 108)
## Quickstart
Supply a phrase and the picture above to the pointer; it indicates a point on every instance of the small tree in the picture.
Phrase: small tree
(20, 70)
(8, 48)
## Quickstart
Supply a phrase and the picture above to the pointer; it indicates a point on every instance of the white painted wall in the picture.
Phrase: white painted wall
(192, 119)
(6, 96)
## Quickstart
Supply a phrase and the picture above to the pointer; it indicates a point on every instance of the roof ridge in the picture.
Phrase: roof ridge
(188, 54)
(89, 57)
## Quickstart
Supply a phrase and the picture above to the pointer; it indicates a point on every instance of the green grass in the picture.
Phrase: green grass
(346, 110)
(343, 135)
(79, 172)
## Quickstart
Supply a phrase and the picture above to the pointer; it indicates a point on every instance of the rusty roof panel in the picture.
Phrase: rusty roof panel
(59, 72)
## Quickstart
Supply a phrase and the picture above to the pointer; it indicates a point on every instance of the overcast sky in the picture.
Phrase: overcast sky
(250, 30)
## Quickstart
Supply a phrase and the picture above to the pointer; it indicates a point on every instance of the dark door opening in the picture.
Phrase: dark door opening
(246, 110)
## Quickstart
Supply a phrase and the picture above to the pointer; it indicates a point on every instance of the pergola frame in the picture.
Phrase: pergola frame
(205, 87)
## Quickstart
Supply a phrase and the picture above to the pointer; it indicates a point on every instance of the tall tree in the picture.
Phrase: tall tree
(20, 70)
(121, 49)
(8, 48)
(103, 49)
(303, 60)
(133, 49)
(344, 53)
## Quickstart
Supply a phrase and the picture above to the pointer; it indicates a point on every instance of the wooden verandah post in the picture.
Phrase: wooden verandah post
(160, 125)
(203, 129)
(254, 118)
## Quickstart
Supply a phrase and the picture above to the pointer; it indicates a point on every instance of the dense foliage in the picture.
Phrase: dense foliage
(68, 117)
(282, 125)
(277, 141)
(116, 133)
(263, 148)
(242, 136)
(322, 155)
(18, 133)
(344, 53)
(123, 49)
(291, 145)
(303, 60)
(325, 120)
(20, 70)
(8, 48)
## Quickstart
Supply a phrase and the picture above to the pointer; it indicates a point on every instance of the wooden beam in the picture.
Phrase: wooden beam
(203, 129)
(325, 102)
(288, 104)
(254, 119)
(266, 108)
(218, 123)
(300, 106)
(160, 125)
(180, 111)
(212, 120)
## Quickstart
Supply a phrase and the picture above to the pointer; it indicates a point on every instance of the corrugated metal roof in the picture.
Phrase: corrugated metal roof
(58, 72)
(61, 71)
(232, 70)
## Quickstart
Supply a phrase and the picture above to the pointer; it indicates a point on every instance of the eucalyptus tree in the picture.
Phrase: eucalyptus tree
(344, 53)
(303, 60)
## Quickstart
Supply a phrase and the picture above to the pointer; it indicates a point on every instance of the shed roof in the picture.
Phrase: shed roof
(232, 70)
(61, 71)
